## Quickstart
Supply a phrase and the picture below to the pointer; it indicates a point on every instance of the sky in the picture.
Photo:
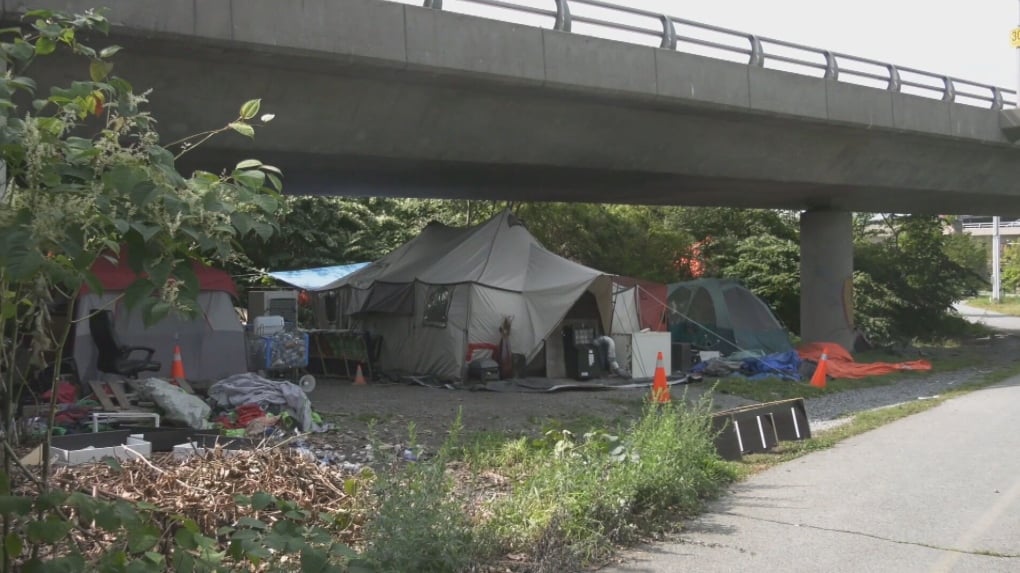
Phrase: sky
(965, 39)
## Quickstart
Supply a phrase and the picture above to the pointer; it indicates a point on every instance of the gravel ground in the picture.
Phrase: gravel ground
(382, 413)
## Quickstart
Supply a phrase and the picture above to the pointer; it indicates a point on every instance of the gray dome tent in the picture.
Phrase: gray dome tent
(723, 315)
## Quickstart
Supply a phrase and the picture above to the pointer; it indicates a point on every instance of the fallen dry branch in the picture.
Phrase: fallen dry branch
(204, 488)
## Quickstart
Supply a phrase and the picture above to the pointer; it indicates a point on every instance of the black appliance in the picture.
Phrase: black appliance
(582, 356)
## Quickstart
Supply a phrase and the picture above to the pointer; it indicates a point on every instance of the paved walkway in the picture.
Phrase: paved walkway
(935, 492)
(993, 319)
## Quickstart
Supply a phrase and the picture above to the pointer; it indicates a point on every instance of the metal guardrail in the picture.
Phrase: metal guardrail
(1002, 225)
(758, 49)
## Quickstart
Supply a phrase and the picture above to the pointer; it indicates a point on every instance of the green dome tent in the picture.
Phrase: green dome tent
(723, 315)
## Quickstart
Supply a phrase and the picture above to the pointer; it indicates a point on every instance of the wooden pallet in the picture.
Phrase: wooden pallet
(117, 402)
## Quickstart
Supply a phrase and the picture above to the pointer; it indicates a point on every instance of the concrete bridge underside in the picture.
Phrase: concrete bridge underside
(353, 126)
(381, 99)
(365, 131)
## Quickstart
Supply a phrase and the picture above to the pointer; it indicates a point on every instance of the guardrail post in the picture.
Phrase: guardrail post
(434, 4)
(831, 66)
(997, 102)
(757, 52)
(562, 16)
(895, 83)
(668, 33)
(949, 94)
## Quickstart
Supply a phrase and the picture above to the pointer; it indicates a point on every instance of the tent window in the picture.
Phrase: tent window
(748, 309)
(437, 306)
(702, 309)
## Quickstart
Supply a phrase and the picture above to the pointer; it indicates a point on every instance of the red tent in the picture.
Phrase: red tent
(117, 277)
(212, 342)
(651, 298)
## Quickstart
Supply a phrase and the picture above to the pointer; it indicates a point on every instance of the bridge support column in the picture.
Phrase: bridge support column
(826, 275)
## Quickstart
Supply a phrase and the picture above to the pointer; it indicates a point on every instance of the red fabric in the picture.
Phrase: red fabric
(67, 393)
(476, 346)
(841, 364)
(248, 413)
(117, 277)
(651, 302)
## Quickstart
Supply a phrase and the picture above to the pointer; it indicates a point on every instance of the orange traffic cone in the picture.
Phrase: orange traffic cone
(359, 378)
(660, 389)
(177, 369)
(821, 371)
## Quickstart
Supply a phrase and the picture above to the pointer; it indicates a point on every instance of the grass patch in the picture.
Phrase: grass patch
(1010, 304)
(556, 502)
(373, 418)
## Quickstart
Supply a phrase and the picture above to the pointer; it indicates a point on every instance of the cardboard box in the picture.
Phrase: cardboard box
(202, 443)
(133, 447)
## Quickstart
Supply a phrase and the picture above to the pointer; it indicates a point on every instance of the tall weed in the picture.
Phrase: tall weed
(419, 526)
(583, 493)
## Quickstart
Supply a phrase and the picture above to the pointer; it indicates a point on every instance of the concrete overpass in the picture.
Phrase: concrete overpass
(382, 98)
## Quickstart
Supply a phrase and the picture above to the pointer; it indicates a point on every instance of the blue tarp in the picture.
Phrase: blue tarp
(784, 365)
(315, 279)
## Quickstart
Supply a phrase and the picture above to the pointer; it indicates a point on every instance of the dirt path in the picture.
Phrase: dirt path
(386, 410)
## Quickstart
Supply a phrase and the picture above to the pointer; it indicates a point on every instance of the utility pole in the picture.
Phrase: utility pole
(996, 265)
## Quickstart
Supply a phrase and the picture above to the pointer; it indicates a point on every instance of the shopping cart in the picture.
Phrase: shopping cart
(281, 354)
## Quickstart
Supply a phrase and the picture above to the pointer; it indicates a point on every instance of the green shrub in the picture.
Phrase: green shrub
(584, 493)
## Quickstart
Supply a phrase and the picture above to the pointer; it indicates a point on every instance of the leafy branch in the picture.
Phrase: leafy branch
(242, 125)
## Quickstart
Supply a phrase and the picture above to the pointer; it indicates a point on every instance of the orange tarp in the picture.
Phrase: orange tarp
(841, 363)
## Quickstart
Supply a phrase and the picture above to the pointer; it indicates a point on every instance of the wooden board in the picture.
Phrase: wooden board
(101, 396)
(118, 392)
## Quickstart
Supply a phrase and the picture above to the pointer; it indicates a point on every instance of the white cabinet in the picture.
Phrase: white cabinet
(644, 349)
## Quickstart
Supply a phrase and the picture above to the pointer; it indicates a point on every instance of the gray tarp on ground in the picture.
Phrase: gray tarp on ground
(250, 388)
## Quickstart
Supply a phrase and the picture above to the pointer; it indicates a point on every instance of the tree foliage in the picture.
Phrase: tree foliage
(1011, 267)
(620, 239)
(88, 176)
(908, 273)
(911, 269)
(770, 267)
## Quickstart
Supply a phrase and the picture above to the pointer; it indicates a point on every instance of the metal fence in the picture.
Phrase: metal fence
(606, 19)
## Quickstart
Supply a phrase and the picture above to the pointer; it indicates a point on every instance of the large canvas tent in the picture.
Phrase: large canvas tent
(449, 288)
(212, 343)
(723, 315)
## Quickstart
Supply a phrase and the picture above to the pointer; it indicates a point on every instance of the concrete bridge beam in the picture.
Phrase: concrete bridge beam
(826, 277)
